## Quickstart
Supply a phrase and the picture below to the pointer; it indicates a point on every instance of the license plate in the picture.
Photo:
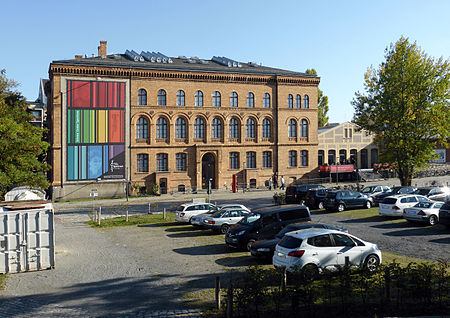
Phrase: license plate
(281, 255)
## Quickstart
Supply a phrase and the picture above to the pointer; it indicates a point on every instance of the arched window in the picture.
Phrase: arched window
(216, 99)
(292, 158)
(290, 101)
(142, 97)
(142, 162)
(321, 158)
(199, 98)
(180, 128)
(267, 159)
(266, 128)
(251, 159)
(331, 157)
(266, 100)
(199, 128)
(180, 98)
(298, 101)
(142, 128)
(306, 101)
(216, 128)
(234, 128)
(342, 156)
(250, 100)
(353, 156)
(304, 128)
(304, 158)
(161, 128)
(233, 99)
(250, 128)
(162, 97)
(292, 128)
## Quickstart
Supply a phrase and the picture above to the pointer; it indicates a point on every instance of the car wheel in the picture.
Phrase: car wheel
(371, 263)
(340, 207)
(190, 221)
(433, 220)
(368, 205)
(320, 206)
(310, 272)
(249, 244)
(224, 228)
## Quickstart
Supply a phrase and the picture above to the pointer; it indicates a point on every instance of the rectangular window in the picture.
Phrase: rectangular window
(234, 160)
(292, 158)
(267, 159)
(251, 159)
(161, 162)
(181, 162)
(142, 163)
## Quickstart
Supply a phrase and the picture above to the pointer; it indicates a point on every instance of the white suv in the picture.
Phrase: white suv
(312, 250)
(186, 211)
(395, 204)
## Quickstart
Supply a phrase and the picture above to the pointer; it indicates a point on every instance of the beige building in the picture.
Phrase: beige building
(343, 143)
(180, 123)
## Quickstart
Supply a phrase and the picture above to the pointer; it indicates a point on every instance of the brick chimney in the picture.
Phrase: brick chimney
(102, 48)
(78, 57)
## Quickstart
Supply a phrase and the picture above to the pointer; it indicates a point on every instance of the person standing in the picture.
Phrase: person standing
(275, 181)
(270, 183)
(282, 182)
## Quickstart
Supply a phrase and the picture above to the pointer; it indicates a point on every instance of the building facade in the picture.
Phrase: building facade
(180, 123)
(344, 144)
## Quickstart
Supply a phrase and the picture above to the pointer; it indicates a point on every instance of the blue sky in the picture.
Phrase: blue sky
(340, 39)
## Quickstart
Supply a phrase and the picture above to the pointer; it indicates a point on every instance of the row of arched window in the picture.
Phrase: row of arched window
(142, 128)
(162, 160)
(217, 99)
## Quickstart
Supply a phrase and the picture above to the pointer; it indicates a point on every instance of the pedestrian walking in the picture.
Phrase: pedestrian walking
(275, 181)
(282, 182)
(270, 183)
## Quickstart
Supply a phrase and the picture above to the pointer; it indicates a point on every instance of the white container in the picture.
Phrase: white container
(27, 237)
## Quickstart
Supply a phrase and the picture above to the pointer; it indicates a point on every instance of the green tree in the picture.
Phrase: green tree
(322, 103)
(406, 107)
(20, 142)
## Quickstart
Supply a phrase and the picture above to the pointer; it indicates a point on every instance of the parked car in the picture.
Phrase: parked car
(264, 224)
(199, 220)
(393, 191)
(223, 219)
(265, 248)
(374, 190)
(444, 214)
(314, 198)
(295, 193)
(340, 200)
(427, 212)
(311, 251)
(394, 205)
(186, 211)
(435, 193)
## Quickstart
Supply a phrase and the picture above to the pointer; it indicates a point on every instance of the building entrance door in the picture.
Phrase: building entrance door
(208, 171)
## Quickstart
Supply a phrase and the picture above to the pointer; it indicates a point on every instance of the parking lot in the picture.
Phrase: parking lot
(144, 269)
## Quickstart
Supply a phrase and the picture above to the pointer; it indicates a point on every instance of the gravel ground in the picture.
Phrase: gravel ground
(139, 271)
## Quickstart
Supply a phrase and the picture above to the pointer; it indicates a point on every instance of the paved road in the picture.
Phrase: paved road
(147, 270)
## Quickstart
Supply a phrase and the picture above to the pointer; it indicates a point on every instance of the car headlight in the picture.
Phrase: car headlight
(263, 249)
(240, 233)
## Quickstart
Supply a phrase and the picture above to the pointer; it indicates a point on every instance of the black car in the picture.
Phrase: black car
(314, 198)
(295, 193)
(393, 191)
(264, 224)
(444, 214)
(340, 200)
(265, 248)
(434, 193)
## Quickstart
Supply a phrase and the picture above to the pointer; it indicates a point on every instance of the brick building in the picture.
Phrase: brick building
(179, 123)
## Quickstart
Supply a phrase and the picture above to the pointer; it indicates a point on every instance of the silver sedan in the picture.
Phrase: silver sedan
(221, 220)
(427, 212)
(200, 220)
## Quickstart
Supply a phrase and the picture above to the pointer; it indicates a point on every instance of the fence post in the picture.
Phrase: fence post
(217, 292)
(164, 213)
(126, 218)
(387, 284)
(99, 215)
(230, 301)
(149, 209)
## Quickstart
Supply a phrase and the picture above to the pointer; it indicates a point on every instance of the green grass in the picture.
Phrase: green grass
(136, 220)
(369, 214)
(2, 281)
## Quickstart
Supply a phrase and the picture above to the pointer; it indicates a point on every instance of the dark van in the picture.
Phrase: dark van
(295, 193)
(264, 224)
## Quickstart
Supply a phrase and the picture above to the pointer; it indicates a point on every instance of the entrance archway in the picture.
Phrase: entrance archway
(208, 170)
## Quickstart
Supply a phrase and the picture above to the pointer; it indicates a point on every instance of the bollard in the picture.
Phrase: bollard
(149, 209)
(230, 301)
(164, 213)
(99, 215)
(217, 292)
(126, 218)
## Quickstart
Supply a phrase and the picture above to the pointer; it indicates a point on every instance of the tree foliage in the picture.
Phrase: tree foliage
(20, 142)
(322, 103)
(406, 107)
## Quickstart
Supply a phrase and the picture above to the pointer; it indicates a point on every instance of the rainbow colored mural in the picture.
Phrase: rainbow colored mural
(95, 130)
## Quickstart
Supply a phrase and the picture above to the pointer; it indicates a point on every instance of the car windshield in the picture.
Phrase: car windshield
(425, 205)
(251, 218)
(368, 189)
(422, 191)
(180, 208)
(290, 242)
